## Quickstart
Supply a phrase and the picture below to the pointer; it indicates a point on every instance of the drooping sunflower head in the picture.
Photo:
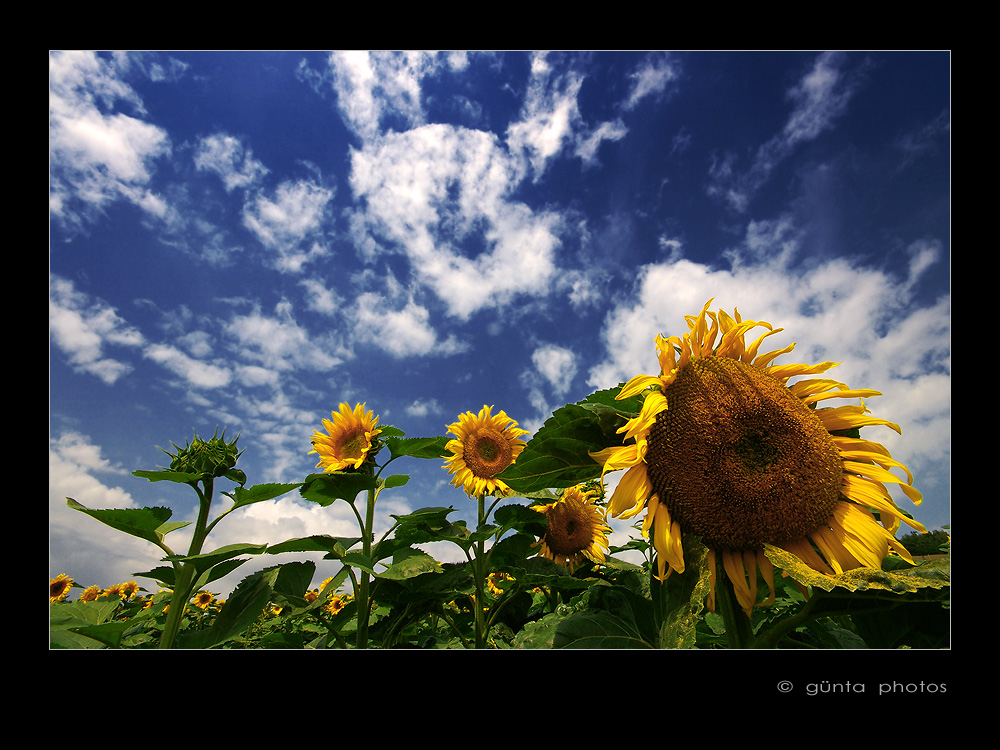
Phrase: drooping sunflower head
(484, 444)
(726, 449)
(59, 588)
(575, 528)
(348, 439)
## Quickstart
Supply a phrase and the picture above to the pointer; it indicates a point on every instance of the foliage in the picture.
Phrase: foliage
(390, 593)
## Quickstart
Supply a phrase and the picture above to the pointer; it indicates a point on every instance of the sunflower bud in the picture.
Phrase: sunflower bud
(210, 458)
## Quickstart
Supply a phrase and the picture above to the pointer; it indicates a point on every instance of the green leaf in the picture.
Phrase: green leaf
(145, 523)
(431, 525)
(240, 611)
(162, 575)
(108, 633)
(335, 547)
(166, 475)
(859, 579)
(207, 560)
(294, 579)
(396, 480)
(409, 563)
(558, 455)
(325, 489)
(68, 622)
(682, 596)
(425, 447)
(259, 492)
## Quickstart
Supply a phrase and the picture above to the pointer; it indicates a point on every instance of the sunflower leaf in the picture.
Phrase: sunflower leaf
(559, 453)
(325, 489)
(259, 492)
(859, 579)
(145, 523)
(335, 547)
(425, 447)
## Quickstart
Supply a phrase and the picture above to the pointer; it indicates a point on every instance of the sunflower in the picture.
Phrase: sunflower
(484, 445)
(59, 588)
(575, 528)
(202, 600)
(129, 589)
(91, 594)
(725, 449)
(348, 438)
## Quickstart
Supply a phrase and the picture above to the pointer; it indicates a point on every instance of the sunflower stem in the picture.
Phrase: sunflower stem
(479, 570)
(364, 608)
(739, 634)
(184, 582)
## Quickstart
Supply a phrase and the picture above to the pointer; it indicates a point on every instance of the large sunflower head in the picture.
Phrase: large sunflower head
(726, 449)
(347, 440)
(575, 528)
(483, 446)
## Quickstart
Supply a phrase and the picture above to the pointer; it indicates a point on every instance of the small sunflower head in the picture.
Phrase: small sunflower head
(59, 588)
(484, 444)
(350, 439)
(202, 600)
(575, 528)
(210, 458)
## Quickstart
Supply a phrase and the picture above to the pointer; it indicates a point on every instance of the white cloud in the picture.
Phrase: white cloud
(588, 144)
(81, 547)
(291, 222)
(375, 87)
(423, 408)
(818, 98)
(402, 333)
(226, 156)
(82, 329)
(651, 78)
(548, 115)
(279, 343)
(98, 156)
(438, 193)
(321, 298)
(557, 364)
(195, 372)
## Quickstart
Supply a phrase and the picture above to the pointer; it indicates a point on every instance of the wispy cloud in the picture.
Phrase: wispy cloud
(432, 193)
(818, 99)
(98, 155)
(84, 328)
(230, 159)
(291, 222)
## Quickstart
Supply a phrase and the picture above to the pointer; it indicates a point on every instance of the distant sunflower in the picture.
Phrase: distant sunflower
(202, 600)
(117, 589)
(575, 528)
(484, 445)
(348, 438)
(725, 449)
(129, 589)
(91, 594)
(59, 588)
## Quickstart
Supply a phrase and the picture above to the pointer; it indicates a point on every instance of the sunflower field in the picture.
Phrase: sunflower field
(761, 517)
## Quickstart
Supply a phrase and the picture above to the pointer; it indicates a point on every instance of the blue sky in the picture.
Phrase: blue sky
(245, 240)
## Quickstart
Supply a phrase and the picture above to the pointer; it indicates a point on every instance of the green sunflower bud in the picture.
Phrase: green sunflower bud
(210, 458)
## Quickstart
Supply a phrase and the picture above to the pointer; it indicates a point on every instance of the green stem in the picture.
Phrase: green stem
(739, 634)
(479, 571)
(364, 607)
(185, 578)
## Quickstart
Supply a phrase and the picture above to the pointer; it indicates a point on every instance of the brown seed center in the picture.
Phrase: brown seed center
(739, 460)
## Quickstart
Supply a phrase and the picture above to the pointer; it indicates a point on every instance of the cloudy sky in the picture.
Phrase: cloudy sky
(245, 240)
